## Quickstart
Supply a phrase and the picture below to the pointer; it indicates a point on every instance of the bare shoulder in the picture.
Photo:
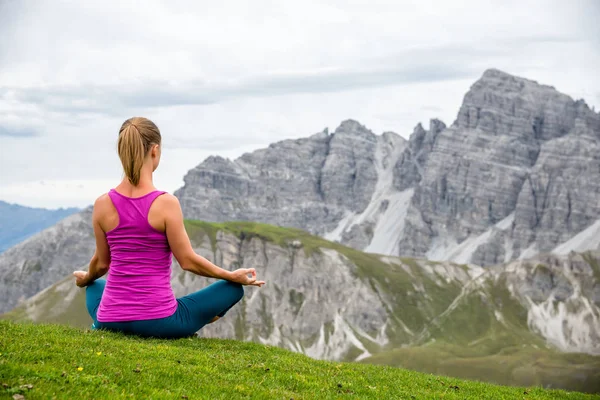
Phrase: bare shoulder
(103, 202)
(168, 204)
(105, 214)
(168, 200)
(102, 208)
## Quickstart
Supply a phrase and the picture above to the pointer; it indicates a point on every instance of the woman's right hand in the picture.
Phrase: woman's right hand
(241, 276)
(81, 278)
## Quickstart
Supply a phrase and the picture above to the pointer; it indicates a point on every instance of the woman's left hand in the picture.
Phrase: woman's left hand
(81, 278)
(241, 276)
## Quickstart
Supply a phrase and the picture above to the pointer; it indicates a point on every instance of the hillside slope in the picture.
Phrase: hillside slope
(333, 302)
(109, 366)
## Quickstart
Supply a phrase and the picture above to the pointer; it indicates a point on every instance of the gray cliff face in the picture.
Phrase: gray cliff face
(558, 291)
(560, 197)
(348, 176)
(519, 153)
(306, 183)
(408, 170)
(505, 105)
(303, 295)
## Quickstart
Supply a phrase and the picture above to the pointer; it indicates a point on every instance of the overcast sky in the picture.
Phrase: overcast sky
(225, 77)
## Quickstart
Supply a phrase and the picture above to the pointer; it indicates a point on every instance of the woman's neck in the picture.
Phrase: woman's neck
(144, 186)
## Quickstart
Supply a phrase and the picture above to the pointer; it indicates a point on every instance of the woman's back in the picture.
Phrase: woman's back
(137, 230)
(138, 286)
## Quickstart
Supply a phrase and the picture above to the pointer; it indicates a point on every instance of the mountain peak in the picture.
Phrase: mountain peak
(436, 125)
(494, 73)
(418, 129)
(351, 126)
(216, 160)
(503, 104)
(493, 76)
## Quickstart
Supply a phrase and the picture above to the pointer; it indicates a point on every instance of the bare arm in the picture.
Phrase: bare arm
(100, 261)
(186, 256)
(181, 246)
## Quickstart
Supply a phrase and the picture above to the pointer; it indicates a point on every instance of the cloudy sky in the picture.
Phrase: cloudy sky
(226, 77)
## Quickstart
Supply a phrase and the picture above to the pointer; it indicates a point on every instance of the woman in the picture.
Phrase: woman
(137, 228)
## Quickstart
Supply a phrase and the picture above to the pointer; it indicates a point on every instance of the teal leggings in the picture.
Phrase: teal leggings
(193, 311)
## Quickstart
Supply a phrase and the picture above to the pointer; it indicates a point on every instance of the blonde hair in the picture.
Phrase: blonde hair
(136, 137)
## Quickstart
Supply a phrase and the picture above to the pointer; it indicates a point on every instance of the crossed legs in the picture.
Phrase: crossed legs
(193, 311)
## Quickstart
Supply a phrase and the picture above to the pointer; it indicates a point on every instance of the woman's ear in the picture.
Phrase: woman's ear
(155, 150)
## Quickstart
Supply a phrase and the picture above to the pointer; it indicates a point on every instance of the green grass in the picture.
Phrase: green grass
(53, 361)
(514, 365)
(474, 319)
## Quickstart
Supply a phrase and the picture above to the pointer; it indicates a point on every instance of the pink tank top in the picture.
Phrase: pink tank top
(138, 286)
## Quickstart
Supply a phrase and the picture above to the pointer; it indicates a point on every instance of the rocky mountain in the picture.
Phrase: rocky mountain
(17, 223)
(516, 174)
(313, 184)
(333, 302)
(520, 165)
(310, 183)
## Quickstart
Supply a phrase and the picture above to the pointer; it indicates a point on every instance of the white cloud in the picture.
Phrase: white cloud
(227, 77)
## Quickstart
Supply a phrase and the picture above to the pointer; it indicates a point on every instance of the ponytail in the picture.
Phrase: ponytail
(136, 137)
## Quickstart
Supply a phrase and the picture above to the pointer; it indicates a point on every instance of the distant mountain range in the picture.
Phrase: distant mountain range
(17, 223)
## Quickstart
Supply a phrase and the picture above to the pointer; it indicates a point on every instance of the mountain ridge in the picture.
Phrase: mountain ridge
(520, 161)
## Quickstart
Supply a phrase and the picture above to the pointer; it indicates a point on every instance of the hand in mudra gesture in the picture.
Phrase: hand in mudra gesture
(246, 276)
(81, 278)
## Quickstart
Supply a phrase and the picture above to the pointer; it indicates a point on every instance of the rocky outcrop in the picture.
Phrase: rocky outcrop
(519, 151)
(409, 169)
(560, 196)
(556, 297)
(310, 183)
